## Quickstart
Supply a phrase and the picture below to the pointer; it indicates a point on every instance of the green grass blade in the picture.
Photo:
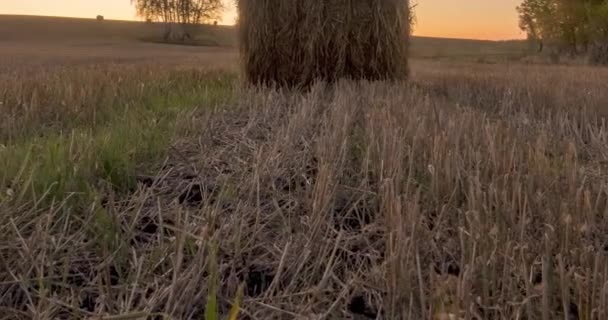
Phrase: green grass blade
(234, 311)
(211, 312)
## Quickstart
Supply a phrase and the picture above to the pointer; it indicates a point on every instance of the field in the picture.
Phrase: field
(141, 181)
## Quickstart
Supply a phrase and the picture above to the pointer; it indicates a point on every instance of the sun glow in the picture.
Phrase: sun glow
(475, 19)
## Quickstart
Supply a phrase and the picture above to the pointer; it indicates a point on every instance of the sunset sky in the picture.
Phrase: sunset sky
(477, 19)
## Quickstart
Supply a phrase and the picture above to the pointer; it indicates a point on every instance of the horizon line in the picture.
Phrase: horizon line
(232, 25)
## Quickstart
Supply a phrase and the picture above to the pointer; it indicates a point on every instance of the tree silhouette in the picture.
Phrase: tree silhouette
(178, 14)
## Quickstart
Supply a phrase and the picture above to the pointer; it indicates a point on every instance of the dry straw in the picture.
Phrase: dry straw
(295, 42)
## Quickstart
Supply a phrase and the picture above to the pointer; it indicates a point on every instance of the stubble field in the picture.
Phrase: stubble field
(137, 180)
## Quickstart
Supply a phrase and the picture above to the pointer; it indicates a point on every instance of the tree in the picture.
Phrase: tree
(598, 26)
(532, 20)
(178, 14)
(413, 18)
(597, 13)
(572, 26)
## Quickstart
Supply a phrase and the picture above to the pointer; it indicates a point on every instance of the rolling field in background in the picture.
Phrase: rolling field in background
(114, 39)
(139, 179)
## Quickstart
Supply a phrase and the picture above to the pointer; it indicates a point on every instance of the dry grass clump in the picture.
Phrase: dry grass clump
(479, 196)
(295, 42)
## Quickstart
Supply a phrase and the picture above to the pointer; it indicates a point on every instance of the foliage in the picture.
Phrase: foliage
(413, 18)
(598, 19)
(179, 11)
(575, 26)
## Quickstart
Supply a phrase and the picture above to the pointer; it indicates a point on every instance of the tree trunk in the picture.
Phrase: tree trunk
(598, 53)
(176, 32)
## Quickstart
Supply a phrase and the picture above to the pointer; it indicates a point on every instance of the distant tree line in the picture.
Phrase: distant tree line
(178, 14)
(178, 11)
(567, 26)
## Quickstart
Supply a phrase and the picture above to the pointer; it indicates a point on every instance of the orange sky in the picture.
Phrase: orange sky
(477, 19)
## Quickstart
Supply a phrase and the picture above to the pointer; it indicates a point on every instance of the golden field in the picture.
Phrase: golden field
(138, 179)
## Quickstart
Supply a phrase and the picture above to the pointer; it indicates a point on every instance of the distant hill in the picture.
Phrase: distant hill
(41, 28)
(443, 48)
(38, 28)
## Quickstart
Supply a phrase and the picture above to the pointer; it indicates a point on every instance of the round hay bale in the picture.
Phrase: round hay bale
(295, 42)
(100, 18)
